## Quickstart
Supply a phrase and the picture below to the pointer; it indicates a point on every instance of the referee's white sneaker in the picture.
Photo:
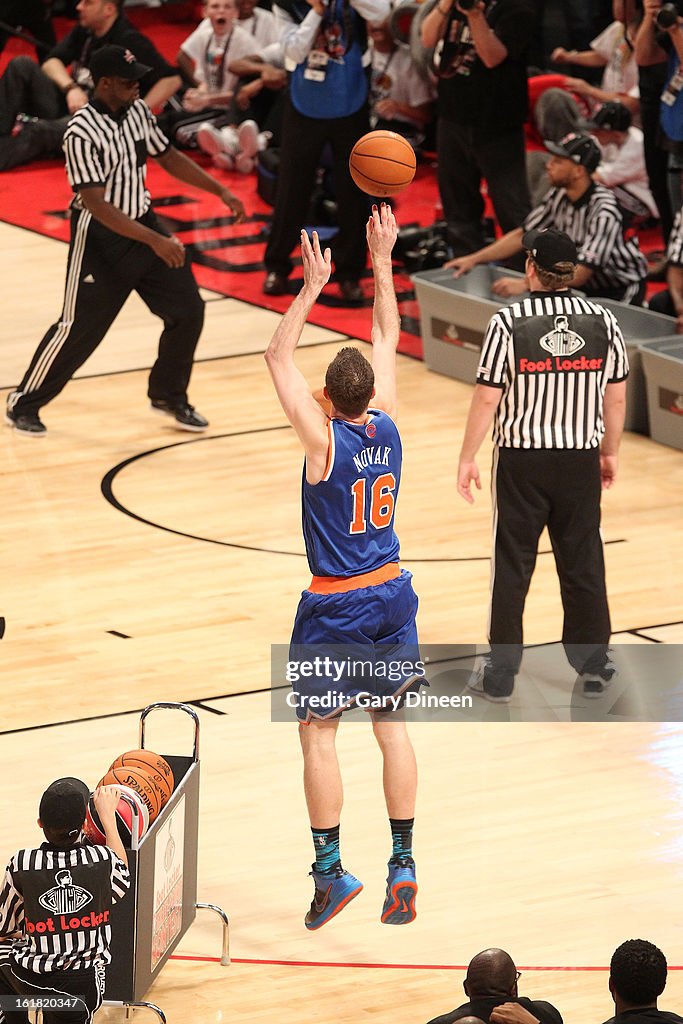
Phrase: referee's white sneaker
(476, 685)
(595, 684)
(185, 415)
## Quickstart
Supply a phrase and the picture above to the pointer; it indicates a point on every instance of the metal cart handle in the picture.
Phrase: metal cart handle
(174, 707)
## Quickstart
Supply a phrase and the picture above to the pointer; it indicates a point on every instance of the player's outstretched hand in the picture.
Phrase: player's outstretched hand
(461, 264)
(317, 264)
(235, 204)
(508, 286)
(381, 231)
(468, 473)
(106, 801)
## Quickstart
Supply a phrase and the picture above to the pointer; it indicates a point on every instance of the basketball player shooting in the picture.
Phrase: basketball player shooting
(359, 600)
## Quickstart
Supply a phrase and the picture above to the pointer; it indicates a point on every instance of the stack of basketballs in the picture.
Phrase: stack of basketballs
(145, 778)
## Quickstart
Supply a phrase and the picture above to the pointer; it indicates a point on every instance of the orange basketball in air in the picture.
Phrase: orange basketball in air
(382, 163)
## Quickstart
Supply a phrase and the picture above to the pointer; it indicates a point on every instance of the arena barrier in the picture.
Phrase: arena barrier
(454, 313)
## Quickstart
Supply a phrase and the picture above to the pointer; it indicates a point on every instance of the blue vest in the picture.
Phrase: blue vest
(348, 518)
(340, 87)
(671, 115)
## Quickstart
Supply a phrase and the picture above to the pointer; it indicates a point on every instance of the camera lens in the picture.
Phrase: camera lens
(466, 5)
(666, 16)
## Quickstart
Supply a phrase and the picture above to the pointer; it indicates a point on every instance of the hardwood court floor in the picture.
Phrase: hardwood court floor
(556, 841)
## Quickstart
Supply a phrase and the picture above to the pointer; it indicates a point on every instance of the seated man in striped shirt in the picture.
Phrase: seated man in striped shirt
(55, 908)
(552, 379)
(609, 265)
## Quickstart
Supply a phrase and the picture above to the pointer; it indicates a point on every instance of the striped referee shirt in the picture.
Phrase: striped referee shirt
(107, 150)
(595, 224)
(553, 354)
(59, 900)
(674, 252)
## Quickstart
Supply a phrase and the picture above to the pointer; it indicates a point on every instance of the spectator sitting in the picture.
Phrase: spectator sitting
(553, 113)
(401, 100)
(637, 977)
(610, 266)
(52, 93)
(622, 167)
(491, 980)
(206, 57)
(613, 50)
(206, 54)
(34, 17)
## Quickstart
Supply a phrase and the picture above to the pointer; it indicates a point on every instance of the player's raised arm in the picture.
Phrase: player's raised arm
(301, 408)
(381, 233)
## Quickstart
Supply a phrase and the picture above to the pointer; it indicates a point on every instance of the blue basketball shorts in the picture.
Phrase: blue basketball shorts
(355, 648)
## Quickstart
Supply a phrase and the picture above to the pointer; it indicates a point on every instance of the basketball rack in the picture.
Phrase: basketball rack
(150, 921)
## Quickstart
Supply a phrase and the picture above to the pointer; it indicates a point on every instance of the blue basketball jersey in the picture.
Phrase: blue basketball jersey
(348, 518)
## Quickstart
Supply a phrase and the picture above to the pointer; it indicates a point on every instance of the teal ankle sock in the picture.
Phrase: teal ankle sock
(401, 837)
(326, 845)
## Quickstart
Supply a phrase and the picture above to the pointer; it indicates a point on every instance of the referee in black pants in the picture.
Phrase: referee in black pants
(553, 376)
(118, 246)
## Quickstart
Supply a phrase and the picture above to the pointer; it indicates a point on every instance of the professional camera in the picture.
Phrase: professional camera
(667, 15)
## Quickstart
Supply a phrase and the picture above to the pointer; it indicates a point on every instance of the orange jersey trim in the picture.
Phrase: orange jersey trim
(342, 584)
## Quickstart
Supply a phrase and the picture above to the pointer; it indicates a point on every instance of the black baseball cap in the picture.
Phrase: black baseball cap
(577, 147)
(550, 247)
(611, 117)
(62, 806)
(116, 62)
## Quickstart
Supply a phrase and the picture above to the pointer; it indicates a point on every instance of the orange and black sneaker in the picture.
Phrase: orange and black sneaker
(399, 903)
(333, 891)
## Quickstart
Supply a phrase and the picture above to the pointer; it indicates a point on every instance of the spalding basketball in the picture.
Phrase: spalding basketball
(382, 163)
(124, 819)
(139, 780)
(154, 764)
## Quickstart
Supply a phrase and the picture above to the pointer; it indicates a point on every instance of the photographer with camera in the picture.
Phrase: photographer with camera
(659, 40)
(479, 58)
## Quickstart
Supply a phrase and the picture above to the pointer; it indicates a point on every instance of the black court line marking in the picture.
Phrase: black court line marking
(115, 632)
(203, 707)
(643, 636)
(108, 492)
(201, 702)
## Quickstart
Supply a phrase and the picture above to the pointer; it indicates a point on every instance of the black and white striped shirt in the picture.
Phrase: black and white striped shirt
(110, 150)
(56, 902)
(595, 224)
(674, 252)
(553, 354)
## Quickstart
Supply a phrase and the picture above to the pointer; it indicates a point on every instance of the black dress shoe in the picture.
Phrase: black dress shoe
(351, 291)
(275, 284)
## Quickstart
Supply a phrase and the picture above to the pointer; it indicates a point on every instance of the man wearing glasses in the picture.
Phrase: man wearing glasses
(492, 980)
